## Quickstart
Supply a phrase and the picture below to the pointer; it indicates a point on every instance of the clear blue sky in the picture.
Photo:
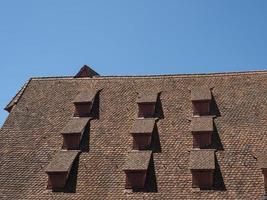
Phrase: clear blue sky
(119, 37)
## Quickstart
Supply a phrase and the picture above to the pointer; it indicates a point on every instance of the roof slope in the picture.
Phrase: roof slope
(31, 137)
(62, 161)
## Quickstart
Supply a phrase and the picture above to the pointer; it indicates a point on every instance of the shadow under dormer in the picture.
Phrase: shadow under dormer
(214, 109)
(151, 180)
(159, 110)
(218, 182)
(155, 141)
(216, 140)
(85, 141)
(95, 106)
(72, 180)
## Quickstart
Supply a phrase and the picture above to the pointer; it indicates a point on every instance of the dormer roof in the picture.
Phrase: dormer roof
(137, 160)
(62, 161)
(200, 94)
(202, 124)
(202, 159)
(150, 97)
(143, 125)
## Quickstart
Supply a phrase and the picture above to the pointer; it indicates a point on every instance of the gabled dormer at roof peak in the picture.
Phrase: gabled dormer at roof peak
(86, 71)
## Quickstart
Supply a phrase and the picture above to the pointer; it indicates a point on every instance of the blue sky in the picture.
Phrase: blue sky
(128, 37)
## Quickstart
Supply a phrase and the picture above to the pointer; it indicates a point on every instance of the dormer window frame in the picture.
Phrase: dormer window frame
(135, 179)
(202, 179)
(202, 129)
(81, 107)
(147, 104)
(202, 167)
(73, 132)
(201, 101)
(59, 168)
(83, 103)
(135, 169)
(141, 132)
(141, 141)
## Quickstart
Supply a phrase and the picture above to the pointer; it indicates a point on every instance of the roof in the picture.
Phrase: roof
(62, 162)
(45, 107)
(200, 93)
(202, 124)
(15, 99)
(75, 125)
(137, 160)
(202, 159)
(143, 126)
(147, 97)
(85, 96)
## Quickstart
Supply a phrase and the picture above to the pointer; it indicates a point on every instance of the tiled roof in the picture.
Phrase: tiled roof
(75, 125)
(85, 96)
(143, 126)
(202, 124)
(202, 159)
(137, 160)
(147, 97)
(200, 93)
(262, 160)
(30, 137)
(15, 99)
(62, 161)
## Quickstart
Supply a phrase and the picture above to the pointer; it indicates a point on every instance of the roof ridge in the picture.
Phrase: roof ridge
(234, 73)
(16, 98)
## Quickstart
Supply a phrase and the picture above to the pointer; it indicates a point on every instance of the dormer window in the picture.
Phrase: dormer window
(83, 103)
(202, 166)
(201, 100)
(59, 169)
(147, 104)
(135, 168)
(262, 163)
(142, 133)
(202, 128)
(73, 132)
